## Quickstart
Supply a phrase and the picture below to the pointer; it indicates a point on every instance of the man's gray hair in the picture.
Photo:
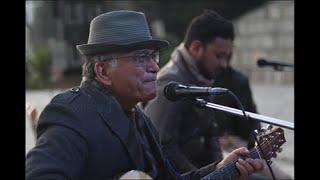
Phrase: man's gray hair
(89, 61)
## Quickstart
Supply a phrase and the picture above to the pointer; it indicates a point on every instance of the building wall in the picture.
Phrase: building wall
(266, 32)
(72, 21)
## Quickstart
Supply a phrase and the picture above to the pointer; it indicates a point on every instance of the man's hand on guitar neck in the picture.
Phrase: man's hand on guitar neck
(245, 166)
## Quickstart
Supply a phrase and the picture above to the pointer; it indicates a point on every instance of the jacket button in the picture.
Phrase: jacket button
(75, 89)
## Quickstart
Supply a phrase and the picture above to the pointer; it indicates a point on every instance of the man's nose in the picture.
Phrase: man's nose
(152, 66)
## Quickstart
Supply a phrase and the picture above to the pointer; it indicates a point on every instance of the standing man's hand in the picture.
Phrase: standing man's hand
(245, 166)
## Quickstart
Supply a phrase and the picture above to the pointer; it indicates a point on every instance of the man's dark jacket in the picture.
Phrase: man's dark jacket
(238, 83)
(189, 134)
(84, 134)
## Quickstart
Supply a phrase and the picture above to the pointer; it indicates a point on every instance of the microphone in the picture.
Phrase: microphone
(276, 65)
(174, 91)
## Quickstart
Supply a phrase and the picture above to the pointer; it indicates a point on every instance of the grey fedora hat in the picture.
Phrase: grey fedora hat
(118, 31)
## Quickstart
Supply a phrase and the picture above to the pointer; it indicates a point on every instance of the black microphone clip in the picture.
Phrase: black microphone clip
(174, 91)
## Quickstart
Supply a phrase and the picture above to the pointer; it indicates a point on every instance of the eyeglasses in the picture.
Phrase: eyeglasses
(142, 58)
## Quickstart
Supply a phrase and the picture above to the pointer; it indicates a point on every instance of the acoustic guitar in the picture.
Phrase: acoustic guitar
(270, 140)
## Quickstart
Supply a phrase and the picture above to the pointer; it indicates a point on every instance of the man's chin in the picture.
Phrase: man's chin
(149, 97)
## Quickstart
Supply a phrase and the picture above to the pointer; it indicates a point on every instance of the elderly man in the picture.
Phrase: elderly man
(95, 131)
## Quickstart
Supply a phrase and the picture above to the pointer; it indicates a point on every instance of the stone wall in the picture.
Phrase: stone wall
(265, 32)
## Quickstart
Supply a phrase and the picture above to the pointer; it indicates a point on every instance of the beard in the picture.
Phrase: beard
(225, 72)
(204, 72)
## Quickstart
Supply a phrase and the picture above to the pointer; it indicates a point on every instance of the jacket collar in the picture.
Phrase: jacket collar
(114, 116)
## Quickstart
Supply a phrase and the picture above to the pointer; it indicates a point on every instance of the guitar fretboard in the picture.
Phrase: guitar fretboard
(229, 171)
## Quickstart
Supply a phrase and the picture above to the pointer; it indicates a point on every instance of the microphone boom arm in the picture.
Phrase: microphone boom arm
(238, 112)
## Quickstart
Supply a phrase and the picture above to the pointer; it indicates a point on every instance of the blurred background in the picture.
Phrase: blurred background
(263, 29)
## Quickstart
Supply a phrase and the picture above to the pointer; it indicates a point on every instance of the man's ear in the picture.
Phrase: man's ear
(196, 49)
(102, 73)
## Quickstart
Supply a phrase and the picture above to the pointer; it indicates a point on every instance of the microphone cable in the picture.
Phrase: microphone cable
(247, 119)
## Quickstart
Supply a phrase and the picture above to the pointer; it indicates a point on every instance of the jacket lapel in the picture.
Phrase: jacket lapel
(114, 117)
(153, 141)
(119, 124)
(164, 164)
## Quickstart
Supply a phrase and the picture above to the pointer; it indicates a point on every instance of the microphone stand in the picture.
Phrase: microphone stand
(238, 112)
(287, 68)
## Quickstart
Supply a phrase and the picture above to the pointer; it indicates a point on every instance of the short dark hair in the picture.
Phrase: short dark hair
(208, 26)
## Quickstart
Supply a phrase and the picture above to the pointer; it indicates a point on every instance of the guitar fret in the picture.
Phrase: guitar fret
(221, 174)
(227, 171)
(224, 172)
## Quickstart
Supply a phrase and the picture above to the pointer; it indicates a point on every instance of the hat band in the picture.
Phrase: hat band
(119, 38)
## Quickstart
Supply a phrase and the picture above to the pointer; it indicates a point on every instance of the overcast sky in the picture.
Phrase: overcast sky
(29, 8)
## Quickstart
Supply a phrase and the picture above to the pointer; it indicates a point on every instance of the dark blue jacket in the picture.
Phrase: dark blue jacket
(84, 134)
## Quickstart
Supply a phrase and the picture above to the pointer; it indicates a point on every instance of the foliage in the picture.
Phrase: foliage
(38, 68)
(165, 54)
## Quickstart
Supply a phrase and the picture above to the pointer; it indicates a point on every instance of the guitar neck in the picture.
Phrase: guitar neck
(229, 171)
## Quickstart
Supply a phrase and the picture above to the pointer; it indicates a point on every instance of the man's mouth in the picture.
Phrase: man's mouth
(150, 79)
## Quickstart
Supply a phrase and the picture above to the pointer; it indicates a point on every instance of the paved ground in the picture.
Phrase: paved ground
(272, 100)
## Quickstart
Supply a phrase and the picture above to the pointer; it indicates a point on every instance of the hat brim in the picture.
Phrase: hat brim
(90, 49)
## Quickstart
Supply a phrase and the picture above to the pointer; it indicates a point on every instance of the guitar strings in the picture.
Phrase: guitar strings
(256, 150)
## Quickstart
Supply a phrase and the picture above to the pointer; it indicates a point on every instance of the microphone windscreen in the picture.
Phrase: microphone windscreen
(169, 91)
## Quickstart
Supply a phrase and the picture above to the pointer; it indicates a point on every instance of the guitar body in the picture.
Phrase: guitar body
(135, 174)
